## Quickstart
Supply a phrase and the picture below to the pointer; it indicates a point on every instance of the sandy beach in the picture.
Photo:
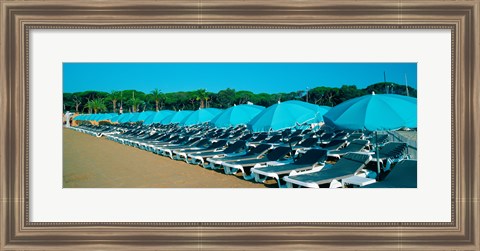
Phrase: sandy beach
(90, 162)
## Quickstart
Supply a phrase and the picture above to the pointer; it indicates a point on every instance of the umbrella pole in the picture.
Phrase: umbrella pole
(378, 156)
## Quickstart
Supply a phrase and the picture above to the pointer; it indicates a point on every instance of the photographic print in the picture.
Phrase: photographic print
(239, 125)
(104, 63)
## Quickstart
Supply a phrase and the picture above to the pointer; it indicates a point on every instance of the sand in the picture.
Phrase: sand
(91, 162)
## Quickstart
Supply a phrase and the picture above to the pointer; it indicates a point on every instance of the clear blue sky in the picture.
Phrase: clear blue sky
(255, 77)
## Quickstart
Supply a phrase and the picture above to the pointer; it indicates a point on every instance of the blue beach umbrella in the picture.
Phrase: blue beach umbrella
(236, 115)
(140, 116)
(82, 117)
(125, 117)
(111, 115)
(200, 116)
(157, 117)
(95, 117)
(286, 115)
(100, 116)
(114, 118)
(105, 116)
(176, 117)
(87, 117)
(119, 117)
(381, 112)
(79, 117)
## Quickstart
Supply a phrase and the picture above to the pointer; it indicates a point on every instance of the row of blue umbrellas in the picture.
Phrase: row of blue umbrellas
(257, 118)
(95, 117)
(369, 112)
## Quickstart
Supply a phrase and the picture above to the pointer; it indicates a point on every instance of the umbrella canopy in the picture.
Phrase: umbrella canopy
(90, 117)
(140, 116)
(117, 118)
(157, 117)
(287, 114)
(79, 117)
(107, 116)
(124, 118)
(100, 116)
(114, 118)
(379, 112)
(95, 117)
(176, 117)
(84, 117)
(200, 116)
(236, 115)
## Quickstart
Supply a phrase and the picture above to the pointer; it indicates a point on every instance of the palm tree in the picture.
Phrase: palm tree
(98, 105)
(135, 102)
(157, 96)
(89, 106)
(201, 95)
(206, 101)
(114, 97)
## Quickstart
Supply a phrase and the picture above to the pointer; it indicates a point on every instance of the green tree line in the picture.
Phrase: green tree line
(133, 100)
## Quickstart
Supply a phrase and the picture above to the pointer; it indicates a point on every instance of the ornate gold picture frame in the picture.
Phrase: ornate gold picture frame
(18, 18)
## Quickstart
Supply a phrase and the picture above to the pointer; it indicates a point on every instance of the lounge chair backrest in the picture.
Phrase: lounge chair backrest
(354, 136)
(221, 134)
(151, 136)
(181, 140)
(404, 174)
(202, 143)
(162, 137)
(174, 137)
(218, 144)
(274, 138)
(335, 144)
(393, 149)
(327, 136)
(192, 141)
(352, 162)
(236, 133)
(260, 149)
(294, 140)
(286, 132)
(295, 133)
(347, 166)
(311, 157)
(306, 131)
(380, 139)
(308, 135)
(356, 145)
(278, 153)
(246, 136)
(341, 135)
(309, 142)
(236, 147)
(210, 135)
(260, 137)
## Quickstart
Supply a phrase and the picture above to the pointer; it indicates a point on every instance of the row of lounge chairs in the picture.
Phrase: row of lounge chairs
(301, 158)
